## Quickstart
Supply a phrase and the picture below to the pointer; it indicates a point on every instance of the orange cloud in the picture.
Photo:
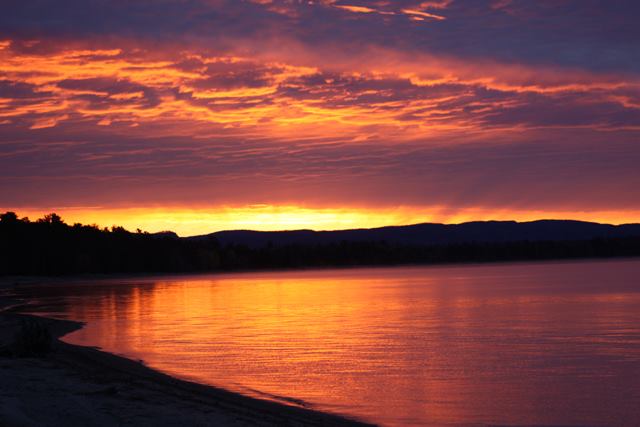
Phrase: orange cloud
(357, 9)
(423, 14)
(407, 97)
(413, 14)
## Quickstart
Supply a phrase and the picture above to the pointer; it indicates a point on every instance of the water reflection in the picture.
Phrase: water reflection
(509, 344)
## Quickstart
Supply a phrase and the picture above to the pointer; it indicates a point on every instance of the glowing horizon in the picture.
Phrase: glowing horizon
(199, 221)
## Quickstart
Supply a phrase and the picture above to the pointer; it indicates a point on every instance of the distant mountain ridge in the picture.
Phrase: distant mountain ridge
(428, 234)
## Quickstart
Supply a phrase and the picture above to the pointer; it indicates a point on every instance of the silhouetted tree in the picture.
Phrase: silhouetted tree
(49, 246)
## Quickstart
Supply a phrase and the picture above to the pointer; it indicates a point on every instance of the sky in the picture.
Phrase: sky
(203, 115)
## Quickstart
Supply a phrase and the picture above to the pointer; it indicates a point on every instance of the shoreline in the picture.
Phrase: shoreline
(76, 385)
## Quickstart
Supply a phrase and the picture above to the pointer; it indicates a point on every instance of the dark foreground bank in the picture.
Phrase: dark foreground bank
(81, 386)
(50, 247)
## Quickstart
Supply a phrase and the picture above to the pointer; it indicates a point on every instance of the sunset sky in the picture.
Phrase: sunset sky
(202, 115)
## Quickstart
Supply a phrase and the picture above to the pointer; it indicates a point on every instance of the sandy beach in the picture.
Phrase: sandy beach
(82, 386)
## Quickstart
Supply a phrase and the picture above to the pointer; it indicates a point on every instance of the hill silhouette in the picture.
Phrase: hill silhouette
(436, 234)
(49, 246)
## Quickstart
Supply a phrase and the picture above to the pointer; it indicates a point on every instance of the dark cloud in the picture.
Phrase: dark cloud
(106, 88)
(19, 90)
(570, 110)
(593, 34)
(231, 75)
(110, 86)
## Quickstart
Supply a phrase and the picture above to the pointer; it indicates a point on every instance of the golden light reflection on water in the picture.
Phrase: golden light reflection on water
(509, 344)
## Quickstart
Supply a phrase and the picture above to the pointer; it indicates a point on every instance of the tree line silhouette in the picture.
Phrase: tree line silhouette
(50, 247)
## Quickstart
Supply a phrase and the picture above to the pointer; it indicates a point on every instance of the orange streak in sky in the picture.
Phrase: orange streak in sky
(423, 14)
(202, 220)
(357, 9)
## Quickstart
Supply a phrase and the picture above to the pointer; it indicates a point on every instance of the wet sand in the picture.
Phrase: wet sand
(73, 385)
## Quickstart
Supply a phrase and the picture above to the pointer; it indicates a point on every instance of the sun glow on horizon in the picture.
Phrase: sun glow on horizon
(203, 220)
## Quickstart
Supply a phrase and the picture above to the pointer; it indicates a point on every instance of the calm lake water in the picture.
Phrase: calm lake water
(525, 344)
